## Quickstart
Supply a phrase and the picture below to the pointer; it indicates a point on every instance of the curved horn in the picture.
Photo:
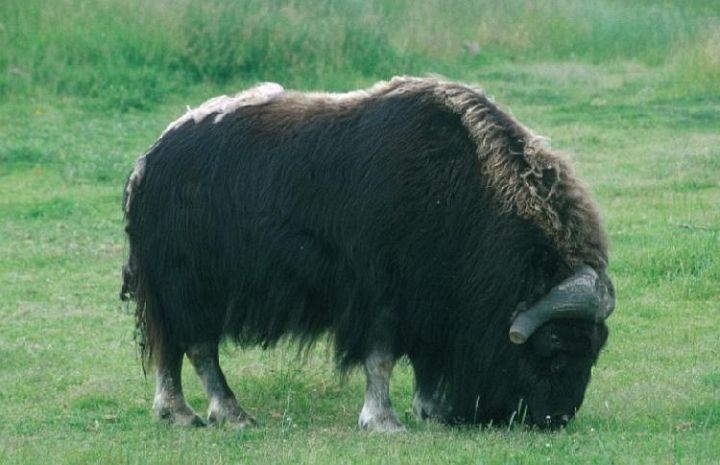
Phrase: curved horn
(585, 295)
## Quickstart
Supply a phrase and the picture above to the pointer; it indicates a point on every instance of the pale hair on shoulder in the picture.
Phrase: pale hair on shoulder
(223, 105)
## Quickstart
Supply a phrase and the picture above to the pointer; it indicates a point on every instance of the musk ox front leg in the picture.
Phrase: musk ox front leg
(430, 406)
(223, 408)
(169, 404)
(430, 399)
(377, 413)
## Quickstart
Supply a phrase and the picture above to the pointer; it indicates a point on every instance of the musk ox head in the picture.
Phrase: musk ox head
(561, 335)
(553, 371)
(539, 374)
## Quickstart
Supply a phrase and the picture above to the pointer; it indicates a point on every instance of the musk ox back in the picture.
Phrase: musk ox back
(411, 219)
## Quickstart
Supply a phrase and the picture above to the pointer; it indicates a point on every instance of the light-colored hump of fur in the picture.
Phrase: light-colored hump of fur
(564, 211)
(221, 106)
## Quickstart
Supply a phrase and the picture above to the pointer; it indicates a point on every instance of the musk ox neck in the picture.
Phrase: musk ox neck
(526, 177)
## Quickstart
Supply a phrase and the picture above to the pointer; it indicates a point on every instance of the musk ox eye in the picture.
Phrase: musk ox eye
(547, 343)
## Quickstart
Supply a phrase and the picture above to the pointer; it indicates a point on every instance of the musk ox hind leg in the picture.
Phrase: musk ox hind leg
(223, 408)
(377, 413)
(169, 404)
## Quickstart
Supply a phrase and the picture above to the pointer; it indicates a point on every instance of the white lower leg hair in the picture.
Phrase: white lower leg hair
(377, 413)
(169, 404)
(223, 406)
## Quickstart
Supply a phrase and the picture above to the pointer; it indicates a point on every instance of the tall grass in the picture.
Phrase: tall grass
(140, 49)
(698, 67)
(131, 52)
(553, 29)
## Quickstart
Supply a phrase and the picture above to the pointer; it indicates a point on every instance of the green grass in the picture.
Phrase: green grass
(630, 91)
(133, 54)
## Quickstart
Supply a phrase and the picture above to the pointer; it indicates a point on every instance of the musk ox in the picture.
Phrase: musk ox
(411, 219)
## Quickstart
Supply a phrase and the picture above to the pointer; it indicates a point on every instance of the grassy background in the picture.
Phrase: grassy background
(134, 53)
(631, 91)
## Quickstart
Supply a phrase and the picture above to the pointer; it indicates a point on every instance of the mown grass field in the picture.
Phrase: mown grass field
(630, 91)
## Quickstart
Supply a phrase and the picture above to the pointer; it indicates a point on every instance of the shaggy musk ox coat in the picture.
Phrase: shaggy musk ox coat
(413, 219)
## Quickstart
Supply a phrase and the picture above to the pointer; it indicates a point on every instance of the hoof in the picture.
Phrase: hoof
(386, 422)
(232, 415)
(181, 417)
(432, 409)
(239, 422)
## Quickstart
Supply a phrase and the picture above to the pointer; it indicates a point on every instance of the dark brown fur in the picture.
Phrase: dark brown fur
(415, 215)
